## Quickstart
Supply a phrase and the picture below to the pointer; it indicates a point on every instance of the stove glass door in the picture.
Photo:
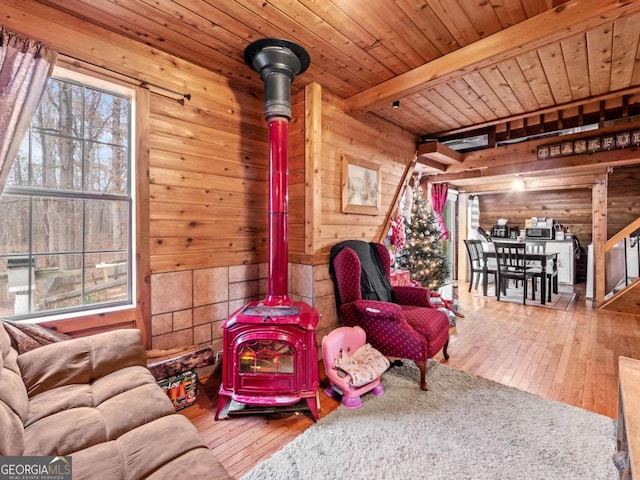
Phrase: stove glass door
(266, 357)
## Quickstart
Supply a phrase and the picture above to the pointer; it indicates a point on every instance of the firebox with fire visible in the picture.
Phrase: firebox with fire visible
(270, 357)
(269, 351)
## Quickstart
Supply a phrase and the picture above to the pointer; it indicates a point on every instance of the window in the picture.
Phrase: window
(66, 214)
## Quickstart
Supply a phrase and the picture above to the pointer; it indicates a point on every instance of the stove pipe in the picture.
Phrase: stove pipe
(278, 62)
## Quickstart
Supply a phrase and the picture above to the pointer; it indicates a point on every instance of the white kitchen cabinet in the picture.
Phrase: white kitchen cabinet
(566, 259)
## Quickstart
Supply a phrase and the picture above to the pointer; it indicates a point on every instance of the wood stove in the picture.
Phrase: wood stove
(270, 355)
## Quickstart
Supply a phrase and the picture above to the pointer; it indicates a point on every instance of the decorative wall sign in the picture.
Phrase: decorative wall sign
(590, 145)
(361, 186)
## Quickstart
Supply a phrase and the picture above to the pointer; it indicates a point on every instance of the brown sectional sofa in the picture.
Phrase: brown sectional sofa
(94, 399)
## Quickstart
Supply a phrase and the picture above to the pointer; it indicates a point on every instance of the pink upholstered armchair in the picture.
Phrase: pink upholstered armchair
(400, 322)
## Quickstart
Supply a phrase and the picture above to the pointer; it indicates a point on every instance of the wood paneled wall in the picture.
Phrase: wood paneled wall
(203, 186)
(623, 205)
(204, 181)
(366, 138)
(571, 208)
(208, 174)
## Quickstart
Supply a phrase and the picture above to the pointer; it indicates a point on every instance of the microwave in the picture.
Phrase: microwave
(539, 233)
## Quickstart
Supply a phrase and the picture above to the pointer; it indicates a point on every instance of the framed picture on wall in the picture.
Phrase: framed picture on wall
(361, 186)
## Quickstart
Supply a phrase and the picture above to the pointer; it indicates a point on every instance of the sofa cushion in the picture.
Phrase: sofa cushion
(201, 463)
(80, 360)
(93, 398)
(169, 447)
(74, 417)
(13, 399)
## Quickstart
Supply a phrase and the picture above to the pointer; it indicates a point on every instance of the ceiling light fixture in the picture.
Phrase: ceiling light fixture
(517, 184)
(396, 104)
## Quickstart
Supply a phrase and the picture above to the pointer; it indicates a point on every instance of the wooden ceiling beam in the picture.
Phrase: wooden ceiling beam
(532, 184)
(523, 152)
(432, 164)
(438, 152)
(550, 26)
(563, 165)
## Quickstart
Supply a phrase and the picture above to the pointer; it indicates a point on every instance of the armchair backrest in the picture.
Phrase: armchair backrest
(347, 276)
(360, 270)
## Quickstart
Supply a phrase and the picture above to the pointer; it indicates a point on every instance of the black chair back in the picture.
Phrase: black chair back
(474, 250)
(511, 258)
(512, 265)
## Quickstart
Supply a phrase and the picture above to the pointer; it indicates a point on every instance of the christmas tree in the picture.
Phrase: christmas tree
(423, 254)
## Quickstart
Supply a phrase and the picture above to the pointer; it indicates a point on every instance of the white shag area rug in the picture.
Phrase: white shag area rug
(464, 427)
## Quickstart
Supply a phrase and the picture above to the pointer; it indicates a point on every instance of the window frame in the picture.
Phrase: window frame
(99, 82)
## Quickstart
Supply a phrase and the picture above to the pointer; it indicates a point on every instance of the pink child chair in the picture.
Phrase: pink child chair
(346, 340)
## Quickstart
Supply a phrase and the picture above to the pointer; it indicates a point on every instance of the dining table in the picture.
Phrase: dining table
(545, 260)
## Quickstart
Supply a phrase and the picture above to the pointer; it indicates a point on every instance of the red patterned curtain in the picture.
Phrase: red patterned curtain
(25, 66)
(439, 200)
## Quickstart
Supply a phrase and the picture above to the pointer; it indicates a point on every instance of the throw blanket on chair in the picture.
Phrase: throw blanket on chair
(373, 282)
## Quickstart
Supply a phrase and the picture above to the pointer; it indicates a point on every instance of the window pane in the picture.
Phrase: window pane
(57, 225)
(106, 169)
(106, 278)
(107, 225)
(14, 224)
(60, 111)
(55, 162)
(19, 173)
(107, 119)
(58, 282)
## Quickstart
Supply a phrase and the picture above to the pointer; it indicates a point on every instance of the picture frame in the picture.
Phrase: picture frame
(361, 186)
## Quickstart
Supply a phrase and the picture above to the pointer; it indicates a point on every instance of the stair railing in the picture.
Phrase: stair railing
(622, 258)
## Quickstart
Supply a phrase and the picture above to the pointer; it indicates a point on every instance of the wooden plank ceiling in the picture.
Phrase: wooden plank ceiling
(454, 65)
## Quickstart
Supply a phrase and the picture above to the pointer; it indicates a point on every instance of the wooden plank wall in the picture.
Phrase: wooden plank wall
(297, 184)
(366, 138)
(623, 204)
(207, 173)
(207, 180)
(569, 207)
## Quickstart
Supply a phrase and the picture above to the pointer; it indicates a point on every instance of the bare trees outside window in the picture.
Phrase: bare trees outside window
(66, 211)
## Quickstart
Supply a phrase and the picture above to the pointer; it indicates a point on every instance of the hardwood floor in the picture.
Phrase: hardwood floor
(570, 356)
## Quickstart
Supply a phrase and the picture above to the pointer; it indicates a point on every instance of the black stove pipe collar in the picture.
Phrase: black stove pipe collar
(278, 62)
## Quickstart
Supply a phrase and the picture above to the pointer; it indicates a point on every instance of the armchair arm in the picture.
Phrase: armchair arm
(354, 312)
(409, 295)
(386, 327)
(80, 360)
(378, 309)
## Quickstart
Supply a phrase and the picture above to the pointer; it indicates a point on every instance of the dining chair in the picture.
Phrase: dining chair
(476, 263)
(551, 274)
(512, 265)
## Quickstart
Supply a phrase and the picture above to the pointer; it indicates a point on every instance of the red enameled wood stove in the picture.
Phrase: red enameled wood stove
(270, 355)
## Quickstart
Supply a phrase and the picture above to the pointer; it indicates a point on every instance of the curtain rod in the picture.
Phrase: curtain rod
(142, 83)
